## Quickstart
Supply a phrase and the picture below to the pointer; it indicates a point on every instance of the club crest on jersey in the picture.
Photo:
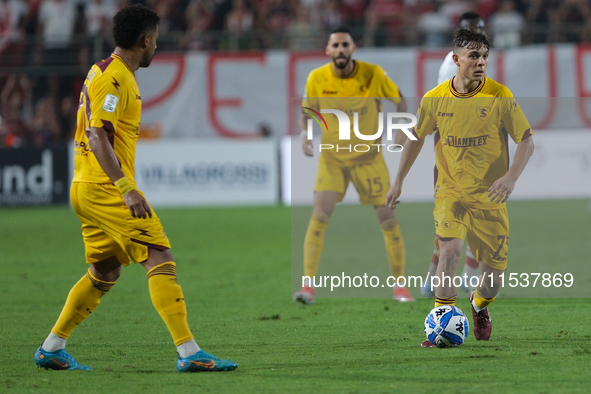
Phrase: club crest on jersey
(482, 112)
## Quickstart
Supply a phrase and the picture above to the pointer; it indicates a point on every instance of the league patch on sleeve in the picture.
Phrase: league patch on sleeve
(110, 103)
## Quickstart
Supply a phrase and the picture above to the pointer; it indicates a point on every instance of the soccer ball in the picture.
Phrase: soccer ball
(446, 326)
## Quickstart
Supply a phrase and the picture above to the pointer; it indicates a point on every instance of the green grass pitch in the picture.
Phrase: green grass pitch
(235, 268)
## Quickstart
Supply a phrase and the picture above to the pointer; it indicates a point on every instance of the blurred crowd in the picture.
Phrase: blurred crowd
(47, 46)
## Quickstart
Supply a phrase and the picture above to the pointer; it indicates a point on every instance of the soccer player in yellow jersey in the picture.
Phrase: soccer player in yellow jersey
(472, 117)
(448, 70)
(354, 87)
(118, 224)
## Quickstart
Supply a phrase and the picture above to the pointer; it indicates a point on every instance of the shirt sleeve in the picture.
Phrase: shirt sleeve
(388, 88)
(426, 122)
(514, 121)
(310, 97)
(107, 102)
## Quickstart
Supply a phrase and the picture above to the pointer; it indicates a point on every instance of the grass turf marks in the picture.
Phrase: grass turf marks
(234, 266)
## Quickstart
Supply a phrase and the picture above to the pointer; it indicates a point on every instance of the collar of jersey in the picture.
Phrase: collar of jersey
(465, 95)
(330, 65)
(115, 56)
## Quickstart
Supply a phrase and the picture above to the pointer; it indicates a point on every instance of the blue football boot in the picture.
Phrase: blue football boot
(58, 360)
(202, 361)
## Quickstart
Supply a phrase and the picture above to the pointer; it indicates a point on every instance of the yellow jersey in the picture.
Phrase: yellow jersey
(110, 99)
(471, 138)
(360, 92)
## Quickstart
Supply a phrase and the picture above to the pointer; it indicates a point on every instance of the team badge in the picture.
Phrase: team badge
(482, 112)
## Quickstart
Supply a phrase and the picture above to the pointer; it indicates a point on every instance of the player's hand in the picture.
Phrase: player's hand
(500, 191)
(392, 196)
(308, 147)
(137, 204)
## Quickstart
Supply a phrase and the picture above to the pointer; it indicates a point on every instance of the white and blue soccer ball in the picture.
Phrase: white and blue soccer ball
(446, 326)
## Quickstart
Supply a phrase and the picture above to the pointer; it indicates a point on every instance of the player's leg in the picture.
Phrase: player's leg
(145, 242)
(471, 269)
(82, 300)
(481, 298)
(168, 299)
(324, 203)
(441, 283)
(394, 249)
(452, 221)
(104, 256)
(489, 241)
(331, 183)
(371, 179)
(426, 289)
(489, 287)
(450, 252)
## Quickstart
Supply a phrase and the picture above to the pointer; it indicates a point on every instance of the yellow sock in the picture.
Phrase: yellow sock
(480, 301)
(394, 246)
(439, 301)
(82, 300)
(167, 297)
(314, 242)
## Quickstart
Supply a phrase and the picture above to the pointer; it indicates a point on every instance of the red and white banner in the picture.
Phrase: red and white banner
(233, 95)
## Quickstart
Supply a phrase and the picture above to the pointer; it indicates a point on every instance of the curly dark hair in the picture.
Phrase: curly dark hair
(471, 39)
(131, 23)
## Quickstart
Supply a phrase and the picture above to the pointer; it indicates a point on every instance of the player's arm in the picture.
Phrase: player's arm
(500, 191)
(409, 154)
(401, 138)
(515, 123)
(411, 149)
(307, 145)
(107, 102)
(105, 155)
(310, 101)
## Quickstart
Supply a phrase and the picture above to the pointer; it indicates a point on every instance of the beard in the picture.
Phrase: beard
(146, 59)
(343, 65)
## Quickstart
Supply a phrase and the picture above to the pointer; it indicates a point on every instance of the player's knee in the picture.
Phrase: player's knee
(450, 254)
(110, 276)
(389, 224)
(106, 272)
(157, 257)
(114, 275)
(320, 216)
(384, 214)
